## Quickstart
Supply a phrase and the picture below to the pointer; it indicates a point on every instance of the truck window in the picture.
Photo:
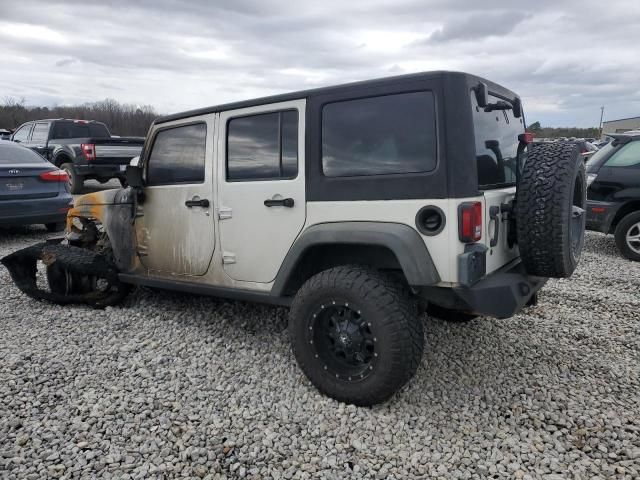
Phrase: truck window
(40, 133)
(263, 146)
(22, 134)
(64, 130)
(496, 138)
(178, 155)
(379, 135)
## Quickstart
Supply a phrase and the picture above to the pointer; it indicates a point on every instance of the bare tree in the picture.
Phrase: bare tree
(121, 118)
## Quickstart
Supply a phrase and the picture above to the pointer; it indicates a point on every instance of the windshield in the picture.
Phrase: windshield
(496, 138)
(596, 160)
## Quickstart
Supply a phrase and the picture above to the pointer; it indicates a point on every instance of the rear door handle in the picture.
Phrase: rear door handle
(284, 202)
(197, 203)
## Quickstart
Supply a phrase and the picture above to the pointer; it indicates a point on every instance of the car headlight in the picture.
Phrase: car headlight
(590, 178)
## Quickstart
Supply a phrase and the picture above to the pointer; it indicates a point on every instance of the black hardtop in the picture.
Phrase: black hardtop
(472, 80)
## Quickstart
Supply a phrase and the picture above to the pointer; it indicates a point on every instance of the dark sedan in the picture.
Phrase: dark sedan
(613, 194)
(32, 190)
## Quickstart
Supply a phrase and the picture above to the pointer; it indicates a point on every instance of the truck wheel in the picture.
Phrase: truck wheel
(76, 181)
(627, 235)
(356, 334)
(550, 210)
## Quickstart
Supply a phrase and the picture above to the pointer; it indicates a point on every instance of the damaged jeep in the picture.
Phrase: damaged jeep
(357, 206)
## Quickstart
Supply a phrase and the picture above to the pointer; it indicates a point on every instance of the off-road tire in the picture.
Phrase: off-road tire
(393, 316)
(55, 227)
(450, 315)
(550, 210)
(627, 223)
(76, 181)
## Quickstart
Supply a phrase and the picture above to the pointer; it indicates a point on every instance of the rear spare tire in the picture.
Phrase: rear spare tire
(550, 210)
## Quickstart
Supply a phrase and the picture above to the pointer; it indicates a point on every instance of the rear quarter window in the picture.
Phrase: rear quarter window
(381, 135)
(496, 141)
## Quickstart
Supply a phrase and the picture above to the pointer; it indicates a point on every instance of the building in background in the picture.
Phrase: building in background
(620, 126)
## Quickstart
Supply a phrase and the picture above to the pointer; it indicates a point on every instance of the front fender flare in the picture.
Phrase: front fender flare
(405, 243)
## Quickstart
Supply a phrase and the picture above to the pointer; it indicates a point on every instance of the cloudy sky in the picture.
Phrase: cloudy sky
(565, 58)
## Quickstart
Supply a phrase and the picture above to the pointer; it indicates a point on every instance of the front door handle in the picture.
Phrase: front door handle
(197, 203)
(284, 202)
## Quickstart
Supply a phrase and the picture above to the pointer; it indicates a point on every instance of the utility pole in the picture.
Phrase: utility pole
(601, 115)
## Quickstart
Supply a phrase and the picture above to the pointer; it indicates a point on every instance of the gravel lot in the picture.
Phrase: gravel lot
(173, 385)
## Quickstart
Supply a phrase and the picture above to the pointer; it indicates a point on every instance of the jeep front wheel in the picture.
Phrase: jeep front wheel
(356, 334)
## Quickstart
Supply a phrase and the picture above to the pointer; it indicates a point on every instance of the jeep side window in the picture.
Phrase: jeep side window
(23, 133)
(379, 135)
(178, 155)
(627, 156)
(263, 146)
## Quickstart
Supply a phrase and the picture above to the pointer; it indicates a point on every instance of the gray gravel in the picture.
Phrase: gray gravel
(173, 385)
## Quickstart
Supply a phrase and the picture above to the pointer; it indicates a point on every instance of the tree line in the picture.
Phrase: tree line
(122, 118)
(558, 132)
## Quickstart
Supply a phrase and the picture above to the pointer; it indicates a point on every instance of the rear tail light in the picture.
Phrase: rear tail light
(526, 137)
(470, 222)
(89, 151)
(55, 176)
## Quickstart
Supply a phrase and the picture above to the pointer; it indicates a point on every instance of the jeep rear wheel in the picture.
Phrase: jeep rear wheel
(550, 210)
(627, 236)
(356, 334)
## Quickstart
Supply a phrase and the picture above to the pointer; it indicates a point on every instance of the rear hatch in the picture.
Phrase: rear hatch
(20, 170)
(496, 140)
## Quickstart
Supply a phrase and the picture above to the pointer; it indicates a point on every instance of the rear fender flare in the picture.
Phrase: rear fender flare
(405, 243)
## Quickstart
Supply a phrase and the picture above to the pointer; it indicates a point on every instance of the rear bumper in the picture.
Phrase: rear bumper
(501, 294)
(107, 170)
(600, 215)
(41, 210)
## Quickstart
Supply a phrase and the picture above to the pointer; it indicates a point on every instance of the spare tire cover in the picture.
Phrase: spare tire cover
(550, 209)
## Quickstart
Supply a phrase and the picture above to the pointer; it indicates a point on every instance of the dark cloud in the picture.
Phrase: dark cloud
(564, 58)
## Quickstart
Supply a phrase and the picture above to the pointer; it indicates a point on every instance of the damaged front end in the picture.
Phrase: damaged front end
(83, 267)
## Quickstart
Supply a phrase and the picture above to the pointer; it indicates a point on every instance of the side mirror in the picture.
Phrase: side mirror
(134, 176)
(482, 94)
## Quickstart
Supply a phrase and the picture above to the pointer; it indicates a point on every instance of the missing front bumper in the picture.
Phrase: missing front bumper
(74, 275)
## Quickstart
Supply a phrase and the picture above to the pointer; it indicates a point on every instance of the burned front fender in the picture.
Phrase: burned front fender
(114, 212)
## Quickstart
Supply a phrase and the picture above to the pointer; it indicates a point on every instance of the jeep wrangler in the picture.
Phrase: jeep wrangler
(358, 206)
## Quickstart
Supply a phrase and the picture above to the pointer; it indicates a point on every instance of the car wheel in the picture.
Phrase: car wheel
(356, 334)
(550, 210)
(76, 181)
(55, 227)
(627, 236)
